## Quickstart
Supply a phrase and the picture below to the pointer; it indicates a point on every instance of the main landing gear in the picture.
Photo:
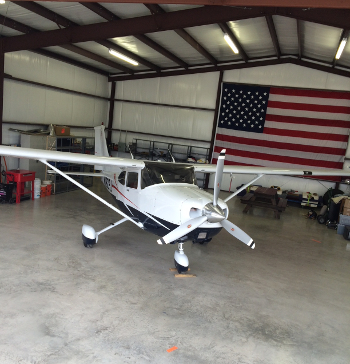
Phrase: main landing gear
(180, 259)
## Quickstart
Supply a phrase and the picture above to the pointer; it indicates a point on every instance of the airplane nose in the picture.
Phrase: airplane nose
(213, 213)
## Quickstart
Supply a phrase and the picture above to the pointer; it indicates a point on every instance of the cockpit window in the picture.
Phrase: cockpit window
(156, 173)
(121, 178)
(132, 180)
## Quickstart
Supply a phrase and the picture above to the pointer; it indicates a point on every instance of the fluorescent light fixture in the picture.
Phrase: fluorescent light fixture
(230, 43)
(2, 1)
(121, 56)
(341, 48)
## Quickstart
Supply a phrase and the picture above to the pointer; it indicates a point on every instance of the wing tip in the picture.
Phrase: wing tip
(251, 244)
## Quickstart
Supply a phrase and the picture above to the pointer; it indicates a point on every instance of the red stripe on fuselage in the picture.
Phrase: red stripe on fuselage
(123, 196)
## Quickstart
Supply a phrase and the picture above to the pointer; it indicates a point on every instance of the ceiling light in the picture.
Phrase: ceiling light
(230, 43)
(121, 56)
(341, 48)
(2, 1)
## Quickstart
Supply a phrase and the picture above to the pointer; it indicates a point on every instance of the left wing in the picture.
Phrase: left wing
(50, 155)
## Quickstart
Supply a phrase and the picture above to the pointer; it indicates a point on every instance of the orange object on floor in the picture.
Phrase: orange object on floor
(43, 191)
(48, 190)
(20, 177)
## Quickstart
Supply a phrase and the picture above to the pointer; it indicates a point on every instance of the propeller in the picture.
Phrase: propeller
(212, 213)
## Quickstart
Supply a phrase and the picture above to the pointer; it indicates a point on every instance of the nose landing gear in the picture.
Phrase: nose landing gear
(180, 259)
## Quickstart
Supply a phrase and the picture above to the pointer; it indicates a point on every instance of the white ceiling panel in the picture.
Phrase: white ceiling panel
(254, 36)
(320, 41)
(287, 34)
(82, 59)
(176, 7)
(75, 12)
(127, 10)
(8, 32)
(15, 12)
(141, 49)
(103, 52)
(175, 44)
(212, 39)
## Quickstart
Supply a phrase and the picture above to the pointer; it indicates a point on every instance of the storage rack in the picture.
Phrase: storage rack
(167, 152)
(72, 144)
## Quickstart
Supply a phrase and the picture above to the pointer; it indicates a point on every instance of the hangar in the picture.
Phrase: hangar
(160, 75)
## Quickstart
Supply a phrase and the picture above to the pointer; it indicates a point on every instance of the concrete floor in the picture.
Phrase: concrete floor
(286, 302)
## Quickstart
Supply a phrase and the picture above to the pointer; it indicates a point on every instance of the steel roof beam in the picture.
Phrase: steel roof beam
(13, 24)
(238, 65)
(108, 15)
(226, 29)
(156, 9)
(133, 26)
(338, 18)
(62, 21)
(273, 35)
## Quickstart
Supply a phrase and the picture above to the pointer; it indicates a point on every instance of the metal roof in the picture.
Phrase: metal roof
(178, 38)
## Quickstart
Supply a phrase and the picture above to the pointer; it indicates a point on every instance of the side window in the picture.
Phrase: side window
(132, 180)
(121, 178)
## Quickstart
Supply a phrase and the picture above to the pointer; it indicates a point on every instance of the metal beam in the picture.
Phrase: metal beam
(339, 4)
(156, 9)
(300, 39)
(111, 113)
(133, 26)
(108, 15)
(226, 29)
(332, 17)
(62, 21)
(238, 65)
(13, 24)
(273, 35)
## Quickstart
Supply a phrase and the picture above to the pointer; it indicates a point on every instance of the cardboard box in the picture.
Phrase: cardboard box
(62, 130)
(346, 211)
(346, 203)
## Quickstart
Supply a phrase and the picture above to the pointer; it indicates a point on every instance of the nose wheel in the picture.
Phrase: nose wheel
(180, 259)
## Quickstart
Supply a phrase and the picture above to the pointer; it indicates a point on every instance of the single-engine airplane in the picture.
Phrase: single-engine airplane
(160, 197)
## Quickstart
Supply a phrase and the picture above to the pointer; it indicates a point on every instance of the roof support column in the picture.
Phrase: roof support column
(216, 112)
(111, 113)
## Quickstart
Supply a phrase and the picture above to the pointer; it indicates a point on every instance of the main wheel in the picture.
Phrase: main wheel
(88, 245)
(321, 219)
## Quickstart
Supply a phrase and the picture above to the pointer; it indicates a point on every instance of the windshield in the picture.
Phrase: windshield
(156, 173)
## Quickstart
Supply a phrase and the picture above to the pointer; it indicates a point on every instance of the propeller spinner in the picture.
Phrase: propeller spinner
(211, 213)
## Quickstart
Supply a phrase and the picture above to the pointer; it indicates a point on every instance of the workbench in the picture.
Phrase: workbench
(20, 177)
(266, 198)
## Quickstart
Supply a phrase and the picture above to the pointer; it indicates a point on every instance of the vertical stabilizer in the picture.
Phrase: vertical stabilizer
(100, 144)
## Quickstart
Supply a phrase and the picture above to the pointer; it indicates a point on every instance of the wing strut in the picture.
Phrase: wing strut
(243, 187)
(90, 192)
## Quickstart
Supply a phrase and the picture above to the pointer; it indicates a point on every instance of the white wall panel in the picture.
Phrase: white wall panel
(181, 123)
(189, 90)
(58, 108)
(34, 67)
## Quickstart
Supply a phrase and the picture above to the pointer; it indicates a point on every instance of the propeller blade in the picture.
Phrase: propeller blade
(218, 176)
(182, 230)
(238, 233)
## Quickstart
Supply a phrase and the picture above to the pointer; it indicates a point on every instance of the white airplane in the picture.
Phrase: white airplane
(160, 197)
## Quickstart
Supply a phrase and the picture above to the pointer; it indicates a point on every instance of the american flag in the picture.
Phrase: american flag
(280, 127)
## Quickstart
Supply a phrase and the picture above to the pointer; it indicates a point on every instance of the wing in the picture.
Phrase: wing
(50, 155)
(210, 168)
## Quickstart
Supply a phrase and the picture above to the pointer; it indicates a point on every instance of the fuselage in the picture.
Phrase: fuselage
(162, 207)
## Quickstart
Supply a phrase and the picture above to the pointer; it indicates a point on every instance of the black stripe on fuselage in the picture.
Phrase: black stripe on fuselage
(159, 230)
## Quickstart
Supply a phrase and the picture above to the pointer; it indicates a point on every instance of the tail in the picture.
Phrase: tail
(100, 144)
